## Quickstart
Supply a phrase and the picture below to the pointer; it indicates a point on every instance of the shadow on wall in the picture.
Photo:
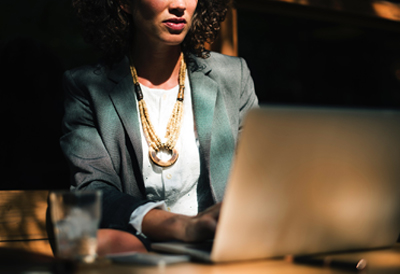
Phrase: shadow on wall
(31, 115)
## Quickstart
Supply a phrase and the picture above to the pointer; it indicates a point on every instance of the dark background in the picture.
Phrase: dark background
(39, 40)
(331, 59)
(293, 59)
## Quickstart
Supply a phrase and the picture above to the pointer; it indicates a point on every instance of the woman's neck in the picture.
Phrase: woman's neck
(157, 67)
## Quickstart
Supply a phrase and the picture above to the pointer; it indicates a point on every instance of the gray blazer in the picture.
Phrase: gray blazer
(102, 140)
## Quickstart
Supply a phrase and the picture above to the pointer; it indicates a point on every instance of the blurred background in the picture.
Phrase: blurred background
(343, 53)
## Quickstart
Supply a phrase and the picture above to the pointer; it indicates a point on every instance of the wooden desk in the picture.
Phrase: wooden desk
(385, 261)
(23, 220)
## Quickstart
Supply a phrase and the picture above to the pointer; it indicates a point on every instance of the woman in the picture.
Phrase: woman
(157, 80)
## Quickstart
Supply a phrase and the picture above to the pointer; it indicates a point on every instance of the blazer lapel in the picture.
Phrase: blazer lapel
(213, 128)
(125, 103)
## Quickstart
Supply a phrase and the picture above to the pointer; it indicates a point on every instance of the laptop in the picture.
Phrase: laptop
(308, 180)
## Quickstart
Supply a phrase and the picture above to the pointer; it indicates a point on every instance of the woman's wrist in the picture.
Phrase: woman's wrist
(162, 225)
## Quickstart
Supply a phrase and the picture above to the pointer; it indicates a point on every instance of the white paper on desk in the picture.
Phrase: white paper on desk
(147, 258)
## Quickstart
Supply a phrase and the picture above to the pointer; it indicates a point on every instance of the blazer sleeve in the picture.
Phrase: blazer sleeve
(90, 164)
(248, 97)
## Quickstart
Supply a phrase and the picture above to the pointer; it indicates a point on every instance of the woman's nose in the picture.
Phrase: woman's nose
(178, 5)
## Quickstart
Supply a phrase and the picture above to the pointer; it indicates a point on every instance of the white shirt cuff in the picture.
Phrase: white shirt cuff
(139, 213)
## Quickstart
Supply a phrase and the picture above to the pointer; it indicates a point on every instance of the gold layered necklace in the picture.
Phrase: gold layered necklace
(174, 123)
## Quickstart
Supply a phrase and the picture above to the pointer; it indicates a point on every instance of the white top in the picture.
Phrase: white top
(174, 186)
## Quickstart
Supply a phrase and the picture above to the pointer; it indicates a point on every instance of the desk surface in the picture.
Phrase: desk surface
(379, 261)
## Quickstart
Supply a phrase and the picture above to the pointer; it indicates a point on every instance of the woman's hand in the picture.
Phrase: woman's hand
(162, 225)
(203, 226)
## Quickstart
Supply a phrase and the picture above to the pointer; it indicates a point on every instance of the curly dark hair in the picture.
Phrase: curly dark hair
(109, 28)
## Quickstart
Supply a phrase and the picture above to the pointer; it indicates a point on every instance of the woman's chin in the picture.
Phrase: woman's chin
(174, 39)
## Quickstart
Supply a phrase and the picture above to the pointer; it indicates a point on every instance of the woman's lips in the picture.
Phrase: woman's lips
(175, 24)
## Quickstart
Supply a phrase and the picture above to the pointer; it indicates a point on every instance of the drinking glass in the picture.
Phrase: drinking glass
(76, 217)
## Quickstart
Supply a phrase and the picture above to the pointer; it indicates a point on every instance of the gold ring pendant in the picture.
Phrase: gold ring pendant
(153, 156)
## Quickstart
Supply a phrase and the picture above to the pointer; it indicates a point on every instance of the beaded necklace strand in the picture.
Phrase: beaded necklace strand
(174, 123)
